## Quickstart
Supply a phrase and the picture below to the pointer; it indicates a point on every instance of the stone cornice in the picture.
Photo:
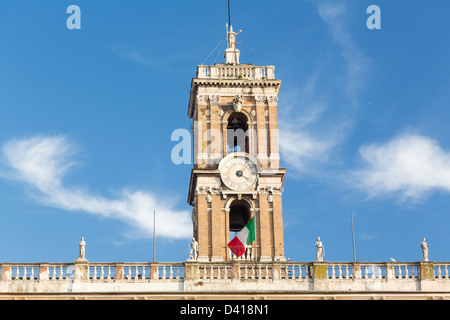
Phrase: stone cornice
(240, 83)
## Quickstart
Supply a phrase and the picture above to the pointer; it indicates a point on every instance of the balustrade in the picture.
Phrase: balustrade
(136, 271)
(223, 271)
(60, 272)
(102, 271)
(170, 271)
(241, 71)
(295, 271)
(340, 271)
(441, 271)
(214, 271)
(25, 272)
(406, 271)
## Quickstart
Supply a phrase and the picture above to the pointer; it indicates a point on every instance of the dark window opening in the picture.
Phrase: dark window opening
(237, 133)
(239, 215)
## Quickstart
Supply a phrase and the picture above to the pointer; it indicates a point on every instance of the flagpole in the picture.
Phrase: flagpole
(154, 234)
(353, 238)
(256, 247)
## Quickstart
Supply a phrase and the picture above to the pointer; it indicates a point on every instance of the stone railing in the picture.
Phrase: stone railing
(36, 271)
(240, 71)
(193, 276)
(93, 272)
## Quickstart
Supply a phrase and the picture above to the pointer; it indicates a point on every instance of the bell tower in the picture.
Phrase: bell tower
(236, 173)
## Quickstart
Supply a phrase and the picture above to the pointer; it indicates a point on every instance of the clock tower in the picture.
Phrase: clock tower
(236, 173)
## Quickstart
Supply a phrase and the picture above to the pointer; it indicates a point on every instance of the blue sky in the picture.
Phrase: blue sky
(86, 118)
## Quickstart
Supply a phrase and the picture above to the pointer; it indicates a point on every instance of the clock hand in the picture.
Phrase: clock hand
(245, 176)
(244, 167)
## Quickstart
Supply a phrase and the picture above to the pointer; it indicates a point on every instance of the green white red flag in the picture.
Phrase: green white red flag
(245, 237)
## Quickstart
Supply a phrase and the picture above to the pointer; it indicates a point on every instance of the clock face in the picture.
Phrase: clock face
(238, 172)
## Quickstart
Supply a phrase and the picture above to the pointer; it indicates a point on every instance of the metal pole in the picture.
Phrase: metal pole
(229, 14)
(353, 238)
(154, 234)
(255, 251)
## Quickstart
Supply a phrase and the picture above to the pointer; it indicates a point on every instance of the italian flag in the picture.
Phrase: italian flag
(245, 237)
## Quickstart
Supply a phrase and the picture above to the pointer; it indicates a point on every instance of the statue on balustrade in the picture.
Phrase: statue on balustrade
(82, 255)
(424, 247)
(249, 252)
(320, 250)
(193, 254)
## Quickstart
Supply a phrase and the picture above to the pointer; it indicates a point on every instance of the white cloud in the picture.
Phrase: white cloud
(137, 57)
(309, 135)
(368, 236)
(330, 10)
(409, 166)
(305, 149)
(42, 163)
(334, 14)
(134, 55)
(301, 150)
(312, 125)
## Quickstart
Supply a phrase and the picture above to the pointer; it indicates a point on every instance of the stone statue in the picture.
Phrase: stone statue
(231, 53)
(82, 256)
(249, 252)
(424, 247)
(232, 38)
(82, 249)
(193, 254)
(320, 250)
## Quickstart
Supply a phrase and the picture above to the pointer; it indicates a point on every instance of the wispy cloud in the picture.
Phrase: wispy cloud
(142, 58)
(312, 125)
(334, 14)
(368, 236)
(408, 167)
(135, 56)
(42, 162)
(307, 137)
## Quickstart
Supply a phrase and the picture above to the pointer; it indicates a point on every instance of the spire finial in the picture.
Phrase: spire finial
(231, 54)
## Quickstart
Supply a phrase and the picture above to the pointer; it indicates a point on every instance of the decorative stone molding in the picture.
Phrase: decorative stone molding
(237, 103)
(272, 99)
(214, 98)
(201, 99)
(260, 99)
(270, 190)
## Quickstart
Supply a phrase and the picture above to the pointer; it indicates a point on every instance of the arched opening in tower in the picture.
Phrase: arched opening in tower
(237, 133)
(239, 215)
